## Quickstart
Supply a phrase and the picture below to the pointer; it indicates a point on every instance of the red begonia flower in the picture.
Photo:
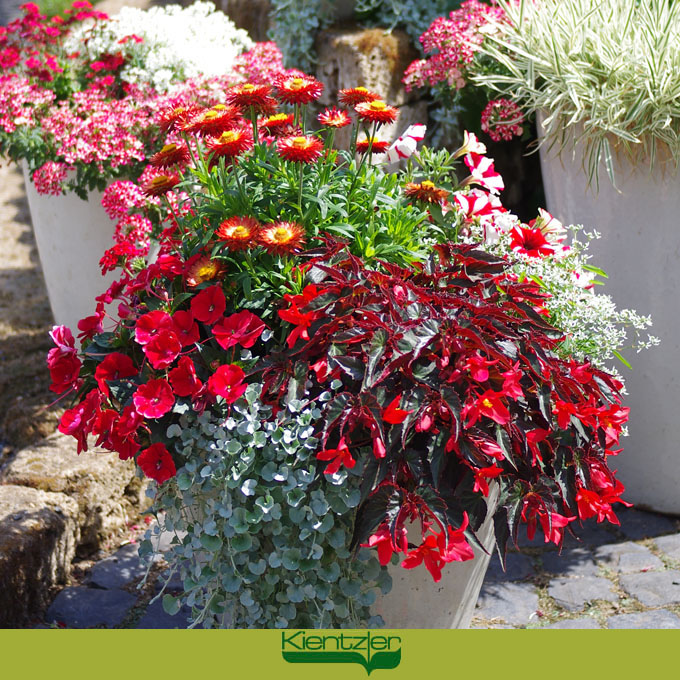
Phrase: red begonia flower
(394, 415)
(338, 457)
(482, 475)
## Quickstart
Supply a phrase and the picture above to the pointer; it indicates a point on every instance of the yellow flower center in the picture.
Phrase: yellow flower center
(361, 89)
(210, 115)
(297, 84)
(219, 107)
(207, 271)
(240, 232)
(161, 179)
(277, 117)
(427, 184)
(248, 87)
(228, 136)
(299, 142)
(487, 403)
(378, 105)
(282, 234)
(168, 148)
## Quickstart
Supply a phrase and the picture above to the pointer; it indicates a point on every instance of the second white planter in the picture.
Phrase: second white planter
(71, 235)
(640, 251)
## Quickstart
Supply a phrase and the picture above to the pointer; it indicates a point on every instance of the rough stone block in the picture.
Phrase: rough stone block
(669, 545)
(155, 617)
(628, 557)
(106, 489)
(118, 570)
(369, 58)
(573, 593)
(659, 618)
(38, 536)
(511, 602)
(82, 607)
(636, 524)
(653, 588)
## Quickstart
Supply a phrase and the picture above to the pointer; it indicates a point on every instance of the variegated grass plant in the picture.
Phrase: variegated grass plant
(604, 74)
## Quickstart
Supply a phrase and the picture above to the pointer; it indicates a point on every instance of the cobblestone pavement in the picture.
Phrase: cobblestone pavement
(615, 577)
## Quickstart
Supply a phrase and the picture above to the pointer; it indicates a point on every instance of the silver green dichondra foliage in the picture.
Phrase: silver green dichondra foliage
(261, 535)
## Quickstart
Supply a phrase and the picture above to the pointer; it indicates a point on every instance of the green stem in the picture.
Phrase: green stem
(300, 188)
(253, 118)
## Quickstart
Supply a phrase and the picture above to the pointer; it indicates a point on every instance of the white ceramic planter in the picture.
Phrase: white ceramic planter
(72, 236)
(416, 601)
(640, 251)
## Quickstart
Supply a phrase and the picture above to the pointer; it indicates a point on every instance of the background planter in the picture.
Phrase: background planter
(640, 251)
(415, 601)
(72, 236)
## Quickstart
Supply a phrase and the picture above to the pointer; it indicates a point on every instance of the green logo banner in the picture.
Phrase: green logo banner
(371, 650)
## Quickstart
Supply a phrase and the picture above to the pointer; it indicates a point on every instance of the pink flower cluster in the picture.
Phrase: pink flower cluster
(502, 120)
(452, 44)
(263, 64)
(49, 178)
(18, 101)
(90, 130)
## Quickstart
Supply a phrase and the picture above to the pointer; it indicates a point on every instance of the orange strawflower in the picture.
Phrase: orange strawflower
(231, 143)
(203, 268)
(278, 123)
(238, 233)
(335, 118)
(426, 191)
(282, 237)
(160, 185)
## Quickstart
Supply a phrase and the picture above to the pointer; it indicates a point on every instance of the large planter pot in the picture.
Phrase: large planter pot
(72, 236)
(640, 251)
(415, 601)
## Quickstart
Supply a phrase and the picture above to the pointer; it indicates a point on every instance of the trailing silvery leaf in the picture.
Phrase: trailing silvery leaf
(261, 535)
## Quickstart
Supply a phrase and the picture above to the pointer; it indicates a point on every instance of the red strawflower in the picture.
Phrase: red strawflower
(150, 324)
(298, 89)
(376, 145)
(227, 382)
(282, 237)
(186, 328)
(238, 233)
(183, 378)
(231, 143)
(300, 149)
(394, 415)
(175, 118)
(156, 463)
(250, 95)
(338, 457)
(356, 95)
(201, 268)
(335, 118)
(169, 155)
(214, 121)
(376, 111)
(115, 366)
(278, 123)
(209, 305)
(160, 185)
(243, 328)
(153, 399)
(163, 349)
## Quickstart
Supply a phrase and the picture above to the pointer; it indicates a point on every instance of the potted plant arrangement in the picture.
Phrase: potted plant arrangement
(61, 78)
(335, 375)
(601, 78)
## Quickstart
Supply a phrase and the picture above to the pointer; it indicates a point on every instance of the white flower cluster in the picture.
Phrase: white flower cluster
(176, 43)
(594, 328)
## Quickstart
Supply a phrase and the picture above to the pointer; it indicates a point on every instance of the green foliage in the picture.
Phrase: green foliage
(267, 535)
